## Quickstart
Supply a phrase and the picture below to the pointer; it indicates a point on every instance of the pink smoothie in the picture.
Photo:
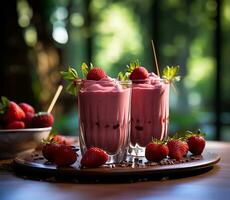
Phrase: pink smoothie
(149, 110)
(104, 114)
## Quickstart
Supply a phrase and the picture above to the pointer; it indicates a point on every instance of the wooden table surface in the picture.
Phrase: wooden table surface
(214, 184)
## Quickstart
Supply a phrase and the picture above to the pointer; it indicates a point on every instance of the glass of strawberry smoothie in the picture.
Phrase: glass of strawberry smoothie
(149, 112)
(104, 116)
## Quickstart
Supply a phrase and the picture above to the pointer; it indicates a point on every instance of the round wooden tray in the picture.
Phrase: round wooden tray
(35, 163)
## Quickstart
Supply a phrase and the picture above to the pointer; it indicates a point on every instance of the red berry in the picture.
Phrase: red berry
(13, 113)
(15, 125)
(42, 119)
(139, 73)
(28, 120)
(26, 108)
(94, 157)
(96, 74)
(49, 151)
(196, 144)
(60, 139)
(156, 152)
(177, 149)
(65, 156)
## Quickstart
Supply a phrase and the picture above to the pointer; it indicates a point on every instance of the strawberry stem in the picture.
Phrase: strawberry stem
(170, 74)
(71, 76)
(123, 76)
(4, 105)
(194, 133)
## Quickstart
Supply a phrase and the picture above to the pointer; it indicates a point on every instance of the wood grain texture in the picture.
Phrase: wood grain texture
(214, 184)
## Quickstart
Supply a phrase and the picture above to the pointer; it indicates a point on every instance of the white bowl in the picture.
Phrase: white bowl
(14, 141)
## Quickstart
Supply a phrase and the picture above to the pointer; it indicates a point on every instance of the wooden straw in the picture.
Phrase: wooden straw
(58, 92)
(155, 58)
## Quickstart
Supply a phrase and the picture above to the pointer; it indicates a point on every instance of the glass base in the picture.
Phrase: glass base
(137, 151)
(117, 158)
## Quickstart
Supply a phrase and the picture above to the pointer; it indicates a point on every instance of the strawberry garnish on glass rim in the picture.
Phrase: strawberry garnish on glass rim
(169, 74)
(123, 76)
(92, 72)
(89, 72)
(136, 71)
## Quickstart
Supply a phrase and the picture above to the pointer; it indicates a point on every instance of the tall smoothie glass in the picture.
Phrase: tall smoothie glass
(149, 112)
(104, 116)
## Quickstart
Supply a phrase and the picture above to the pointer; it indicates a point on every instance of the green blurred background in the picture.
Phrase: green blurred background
(40, 38)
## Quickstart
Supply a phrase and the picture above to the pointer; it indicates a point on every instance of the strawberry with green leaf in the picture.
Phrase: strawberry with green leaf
(10, 111)
(42, 119)
(92, 73)
(196, 142)
(96, 74)
(178, 148)
(89, 72)
(133, 72)
(49, 148)
(156, 150)
(59, 154)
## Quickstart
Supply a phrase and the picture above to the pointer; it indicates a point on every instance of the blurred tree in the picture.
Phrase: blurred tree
(16, 66)
(39, 38)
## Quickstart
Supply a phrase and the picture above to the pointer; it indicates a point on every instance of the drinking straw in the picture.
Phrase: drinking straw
(58, 92)
(155, 58)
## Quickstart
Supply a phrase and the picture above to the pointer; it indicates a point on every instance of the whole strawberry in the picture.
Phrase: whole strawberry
(60, 154)
(177, 148)
(42, 119)
(139, 73)
(96, 74)
(94, 157)
(26, 108)
(60, 139)
(196, 143)
(156, 151)
(65, 155)
(10, 111)
(15, 125)
(28, 119)
(49, 151)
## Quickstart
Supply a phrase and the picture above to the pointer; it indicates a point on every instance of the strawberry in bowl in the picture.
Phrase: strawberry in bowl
(18, 130)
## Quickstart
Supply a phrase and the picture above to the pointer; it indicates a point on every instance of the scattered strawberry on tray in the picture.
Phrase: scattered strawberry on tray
(156, 150)
(176, 147)
(59, 154)
(94, 157)
(59, 151)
